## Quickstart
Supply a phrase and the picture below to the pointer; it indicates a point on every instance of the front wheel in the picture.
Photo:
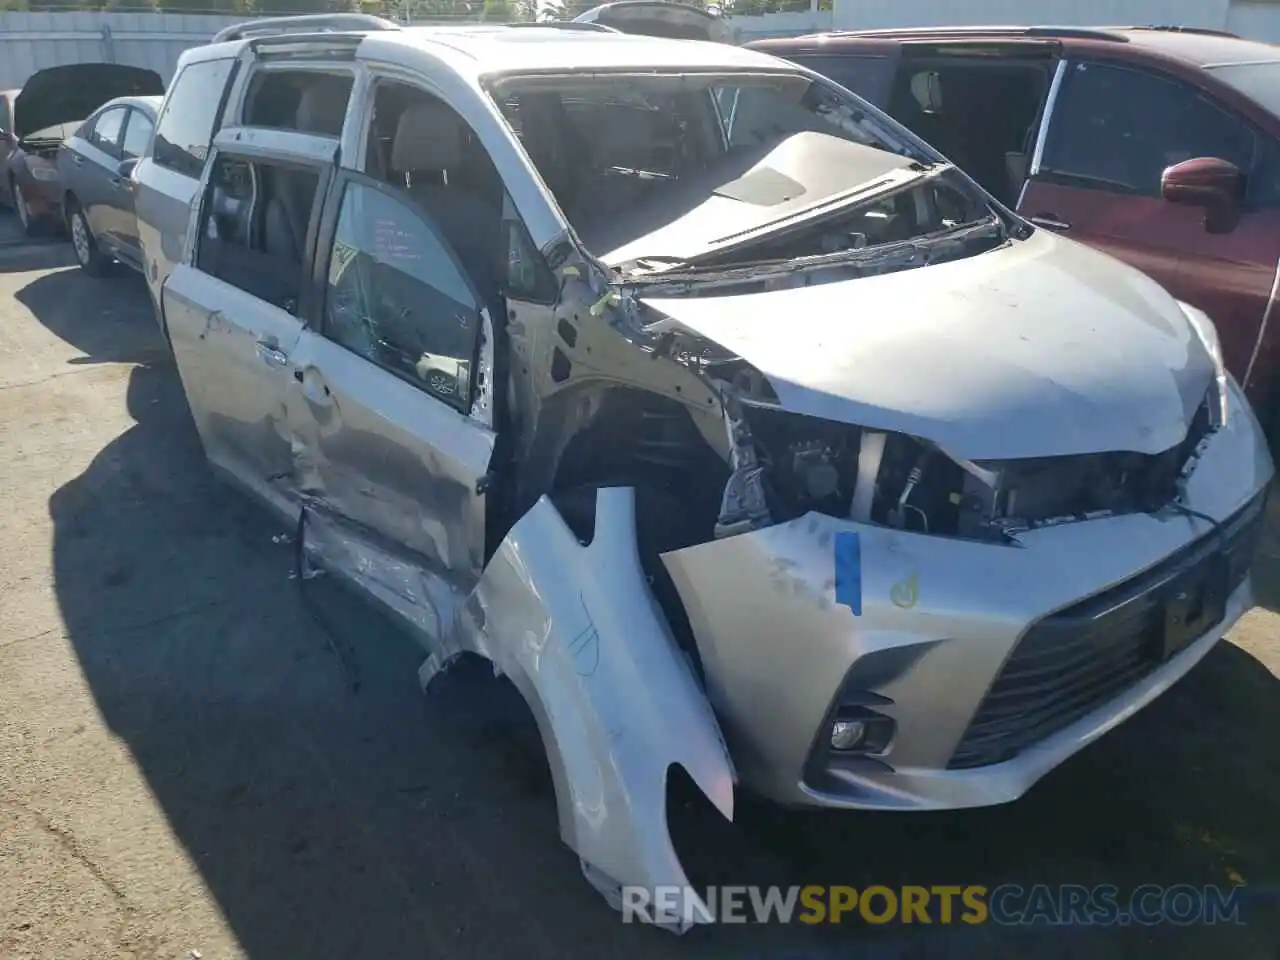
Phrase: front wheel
(88, 255)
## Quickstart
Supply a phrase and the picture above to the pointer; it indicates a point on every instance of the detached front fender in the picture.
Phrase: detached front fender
(577, 630)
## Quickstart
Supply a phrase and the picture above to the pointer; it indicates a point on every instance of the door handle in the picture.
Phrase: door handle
(79, 160)
(1049, 222)
(118, 183)
(271, 353)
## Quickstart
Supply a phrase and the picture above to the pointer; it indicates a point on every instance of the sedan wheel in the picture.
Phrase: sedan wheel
(88, 255)
(20, 205)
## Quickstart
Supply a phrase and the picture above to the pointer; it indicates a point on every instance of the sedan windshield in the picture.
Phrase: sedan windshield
(674, 167)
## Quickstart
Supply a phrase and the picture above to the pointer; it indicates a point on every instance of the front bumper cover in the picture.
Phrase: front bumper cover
(938, 619)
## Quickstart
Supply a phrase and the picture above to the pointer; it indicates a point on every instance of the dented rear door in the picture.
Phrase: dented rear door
(234, 317)
(232, 351)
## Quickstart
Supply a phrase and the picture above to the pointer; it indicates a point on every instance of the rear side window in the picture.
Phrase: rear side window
(871, 78)
(185, 129)
(254, 227)
(106, 131)
(305, 100)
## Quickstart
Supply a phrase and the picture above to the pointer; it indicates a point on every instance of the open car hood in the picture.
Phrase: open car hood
(68, 94)
(1040, 348)
(657, 18)
(744, 191)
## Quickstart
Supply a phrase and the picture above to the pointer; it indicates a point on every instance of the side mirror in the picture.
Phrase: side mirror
(1215, 185)
(124, 169)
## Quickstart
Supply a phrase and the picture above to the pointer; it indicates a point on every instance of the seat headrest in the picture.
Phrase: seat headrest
(429, 136)
(323, 107)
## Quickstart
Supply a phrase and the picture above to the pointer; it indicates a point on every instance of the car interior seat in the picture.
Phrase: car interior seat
(286, 217)
(429, 151)
(556, 146)
(322, 108)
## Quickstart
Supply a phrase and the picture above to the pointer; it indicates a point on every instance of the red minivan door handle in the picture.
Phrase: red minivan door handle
(1049, 222)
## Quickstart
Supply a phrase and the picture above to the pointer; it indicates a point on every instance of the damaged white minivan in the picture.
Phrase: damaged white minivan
(738, 429)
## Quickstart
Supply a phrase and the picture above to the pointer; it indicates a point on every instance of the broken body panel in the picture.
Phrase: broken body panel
(936, 619)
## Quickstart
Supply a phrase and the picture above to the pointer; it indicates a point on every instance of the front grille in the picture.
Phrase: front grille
(1077, 659)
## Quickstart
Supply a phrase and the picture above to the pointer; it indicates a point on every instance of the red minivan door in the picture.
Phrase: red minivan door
(1096, 177)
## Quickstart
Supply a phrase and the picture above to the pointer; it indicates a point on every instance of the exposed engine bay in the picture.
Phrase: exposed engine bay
(844, 471)
(785, 465)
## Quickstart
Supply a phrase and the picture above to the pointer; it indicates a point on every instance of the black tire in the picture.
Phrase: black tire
(663, 524)
(32, 226)
(91, 259)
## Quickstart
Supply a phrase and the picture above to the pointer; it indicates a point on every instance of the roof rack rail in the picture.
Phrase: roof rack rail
(998, 32)
(581, 25)
(307, 23)
(1174, 28)
(1078, 33)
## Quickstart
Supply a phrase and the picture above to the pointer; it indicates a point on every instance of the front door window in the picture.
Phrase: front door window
(398, 297)
(1118, 129)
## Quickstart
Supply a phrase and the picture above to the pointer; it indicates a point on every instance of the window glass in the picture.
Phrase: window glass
(622, 153)
(528, 276)
(1118, 129)
(254, 225)
(106, 132)
(758, 113)
(1264, 179)
(298, 100)
(868, 77)
(137, 135)
(397, 297)
(186, 126)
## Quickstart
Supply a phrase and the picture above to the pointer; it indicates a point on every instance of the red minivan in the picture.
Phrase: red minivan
(1159, 145)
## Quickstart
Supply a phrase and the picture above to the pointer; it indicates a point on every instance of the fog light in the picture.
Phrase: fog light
(848, 734)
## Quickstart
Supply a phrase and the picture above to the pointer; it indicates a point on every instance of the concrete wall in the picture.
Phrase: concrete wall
(1257, 19)
(780, 24)
(33, 41)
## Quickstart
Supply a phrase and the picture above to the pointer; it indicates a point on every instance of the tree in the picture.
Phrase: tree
(566, 9)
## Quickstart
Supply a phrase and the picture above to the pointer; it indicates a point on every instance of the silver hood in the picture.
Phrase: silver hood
(1040, 348)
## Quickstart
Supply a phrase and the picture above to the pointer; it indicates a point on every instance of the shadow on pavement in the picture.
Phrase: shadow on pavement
(107, 318)
(330, 821)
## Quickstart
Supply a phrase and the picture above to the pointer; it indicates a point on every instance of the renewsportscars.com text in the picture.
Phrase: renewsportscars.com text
(1007, 904)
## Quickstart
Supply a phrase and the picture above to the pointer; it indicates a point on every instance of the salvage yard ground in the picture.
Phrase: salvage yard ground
(199, 752)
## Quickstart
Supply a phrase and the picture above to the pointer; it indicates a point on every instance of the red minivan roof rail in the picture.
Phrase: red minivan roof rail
(967, 33)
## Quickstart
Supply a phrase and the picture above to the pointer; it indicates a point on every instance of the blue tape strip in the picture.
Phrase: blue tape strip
(848, 562)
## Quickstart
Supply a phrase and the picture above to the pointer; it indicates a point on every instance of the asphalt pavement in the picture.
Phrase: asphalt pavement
(202, 755)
